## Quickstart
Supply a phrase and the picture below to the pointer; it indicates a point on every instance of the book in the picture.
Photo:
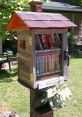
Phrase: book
(53, 41)
(53, 62)
(37, 43)
(42, 64)
(49, 63)
(46, 63)
(38, 64)
(57, 63)
(57, 40)
(42, 41)
(48, 41)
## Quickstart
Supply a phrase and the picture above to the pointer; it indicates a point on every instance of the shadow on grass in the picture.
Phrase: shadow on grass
(6, 76)
(76, 56)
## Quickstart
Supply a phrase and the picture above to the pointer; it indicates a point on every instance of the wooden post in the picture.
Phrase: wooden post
(40, 112)
(65, 48)
(36, 6)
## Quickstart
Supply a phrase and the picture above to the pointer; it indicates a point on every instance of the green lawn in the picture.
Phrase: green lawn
(13, 95)
(16, 97)
(74, 106)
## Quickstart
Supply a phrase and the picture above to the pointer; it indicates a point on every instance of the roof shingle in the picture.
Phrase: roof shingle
(29, 20)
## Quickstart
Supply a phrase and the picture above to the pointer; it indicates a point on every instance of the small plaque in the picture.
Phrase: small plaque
(50, 82)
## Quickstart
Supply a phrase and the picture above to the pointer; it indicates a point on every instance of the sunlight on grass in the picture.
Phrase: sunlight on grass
(73, 107)
(16, 97)
(13, 95)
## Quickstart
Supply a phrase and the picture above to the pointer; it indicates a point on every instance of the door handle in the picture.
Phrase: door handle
(67, 57)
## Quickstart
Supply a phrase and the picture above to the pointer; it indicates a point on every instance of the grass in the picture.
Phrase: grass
(74, 106)
(16, 97)
(13, 95)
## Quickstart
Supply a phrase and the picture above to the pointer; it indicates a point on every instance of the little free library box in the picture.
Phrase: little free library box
(42, 47)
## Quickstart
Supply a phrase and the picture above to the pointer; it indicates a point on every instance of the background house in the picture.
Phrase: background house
(71, 11)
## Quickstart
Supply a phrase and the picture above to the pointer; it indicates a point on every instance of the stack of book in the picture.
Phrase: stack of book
(48, 50)
(48, 62)
(47, 41)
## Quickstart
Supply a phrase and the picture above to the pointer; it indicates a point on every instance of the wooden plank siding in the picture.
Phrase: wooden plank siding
(25, 57)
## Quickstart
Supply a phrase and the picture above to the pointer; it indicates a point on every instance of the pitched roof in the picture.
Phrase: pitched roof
(30, 20)
(61, 6)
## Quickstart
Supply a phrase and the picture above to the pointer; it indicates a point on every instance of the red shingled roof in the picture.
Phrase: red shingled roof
(31, 20)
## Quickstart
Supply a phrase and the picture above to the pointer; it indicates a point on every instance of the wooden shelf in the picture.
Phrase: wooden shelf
(47, 50)
(49, 73)
(48, 77)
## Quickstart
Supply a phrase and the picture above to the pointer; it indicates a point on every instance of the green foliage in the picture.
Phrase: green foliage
(6, 9)
(71, 42)
(78, 2)
(73, 49)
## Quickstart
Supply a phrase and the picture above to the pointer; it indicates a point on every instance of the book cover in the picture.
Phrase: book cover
(53, 41)
(46, 63)
(49, 63)
(53, 62)
(47, 41)
(42, 64)
(38, 59)
(56, 42)
(58, 39)
(42, 41)
(39, 42)
(36, 44)
(57, 61)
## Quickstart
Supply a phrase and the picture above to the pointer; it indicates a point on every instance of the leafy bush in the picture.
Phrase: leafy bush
(71, 42)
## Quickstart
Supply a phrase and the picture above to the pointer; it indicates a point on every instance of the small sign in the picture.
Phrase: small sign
(50, 82)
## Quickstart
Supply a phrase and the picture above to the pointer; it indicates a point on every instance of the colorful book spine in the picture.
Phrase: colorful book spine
(46, 63)
(57, 62)
(38, 64)
(42, 41)
(39, 43)
(53, 41)
(59, 41)
(53, 62)
(42, 64)
(49, 57)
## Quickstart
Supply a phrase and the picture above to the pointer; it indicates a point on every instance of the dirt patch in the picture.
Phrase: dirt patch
(6, 112)
(3, 109)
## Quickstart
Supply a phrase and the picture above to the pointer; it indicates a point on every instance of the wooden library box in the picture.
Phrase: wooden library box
(42, 47)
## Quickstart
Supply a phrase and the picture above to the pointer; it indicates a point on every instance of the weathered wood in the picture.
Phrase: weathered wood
(41, 112)
(25, 59)
(25, 36)
(65, 48)
(48, 31)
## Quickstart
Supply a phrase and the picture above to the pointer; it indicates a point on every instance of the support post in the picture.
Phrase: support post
(40, 112)
(65, 62)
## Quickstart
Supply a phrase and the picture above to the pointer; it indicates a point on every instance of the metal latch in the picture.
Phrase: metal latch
(66, 57)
